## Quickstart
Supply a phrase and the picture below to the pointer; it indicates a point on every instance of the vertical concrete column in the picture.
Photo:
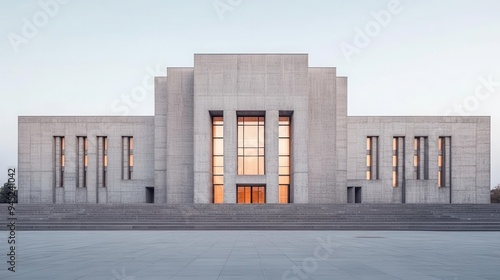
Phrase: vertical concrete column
(272, 155)
(202, 157)
(230, 155)
(92, 169)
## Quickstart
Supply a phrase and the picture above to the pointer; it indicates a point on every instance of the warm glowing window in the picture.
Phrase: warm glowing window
(59, 160)
(372, 158)
(284, 160)
(251, 146)
(395, 162)
(398, 165)
(218, 159)
(82, 161)
(251, 194)
(128, 157)
(102, 159)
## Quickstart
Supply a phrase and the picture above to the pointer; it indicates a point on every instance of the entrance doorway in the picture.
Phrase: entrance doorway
(150, 195)
(353, 194)
(251, 194)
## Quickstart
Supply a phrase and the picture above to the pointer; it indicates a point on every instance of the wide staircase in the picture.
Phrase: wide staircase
(255, 217)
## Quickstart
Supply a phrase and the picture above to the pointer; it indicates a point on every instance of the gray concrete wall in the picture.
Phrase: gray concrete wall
(179, 135)
(322, 135)
(238, 83)
(470, 158)
(160, 136)
(37, 160)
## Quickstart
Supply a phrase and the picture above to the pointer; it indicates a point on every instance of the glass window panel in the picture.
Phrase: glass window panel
(415, 160)
(251, 152)
(250, 166)
(240, 136)
(284, 120)
(394, 178)
(394, 161)
(218, 131)
(368, 160)
(218, 120)
(218, 170)
(261, 136)
(261, 166)
(283, 194)
(218, 180)
(240, 152)
(261, 151)
(284, 147)
(131, 162)
(131, 141)
(248, 194)
(218, 161)
(262, 195)
(241, 195)
(251, 121)
(369, 143)
(440, 161)
(218, 194)
(394, 143)
(284, 161)
(368, 175)
(251, 136)
(284, 131)
(284, 180)
(284, 170)
(261, 121)
(218, 147)
(240, 166)
(255, 195)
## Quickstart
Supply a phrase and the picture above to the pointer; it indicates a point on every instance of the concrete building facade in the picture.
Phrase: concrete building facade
(253, 128)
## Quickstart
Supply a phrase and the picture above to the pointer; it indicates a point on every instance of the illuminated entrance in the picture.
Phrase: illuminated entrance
(251, 194)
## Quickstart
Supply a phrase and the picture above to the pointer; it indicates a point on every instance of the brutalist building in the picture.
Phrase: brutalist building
(253, 128)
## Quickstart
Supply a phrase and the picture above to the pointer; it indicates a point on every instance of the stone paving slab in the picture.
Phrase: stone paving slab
(218, 255)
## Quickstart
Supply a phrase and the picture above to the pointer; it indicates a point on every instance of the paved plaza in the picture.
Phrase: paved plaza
(176, 255)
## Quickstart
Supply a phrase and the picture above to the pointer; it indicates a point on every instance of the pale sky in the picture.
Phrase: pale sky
(412, 58)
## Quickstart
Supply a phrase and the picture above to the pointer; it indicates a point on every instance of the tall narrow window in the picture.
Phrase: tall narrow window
(128, 157)
(444, 161)
(82, 160)
(218, 159)
(398, 161)
(105, 161)
(250, 145)
(421, 158)
(102, 160)
(284, 160)
(59, 160)
(372, 158)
